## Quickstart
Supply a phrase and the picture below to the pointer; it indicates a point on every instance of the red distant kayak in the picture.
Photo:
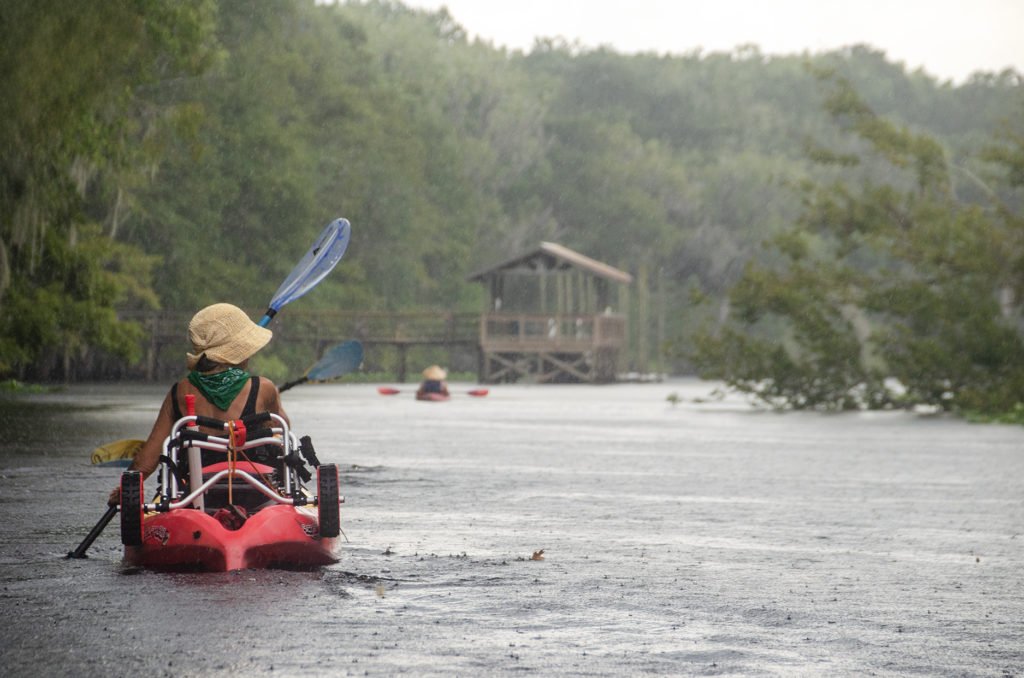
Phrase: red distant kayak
(436, 397)
(476, 393)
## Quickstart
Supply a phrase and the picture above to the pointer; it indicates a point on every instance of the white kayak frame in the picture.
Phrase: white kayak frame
(281, 437)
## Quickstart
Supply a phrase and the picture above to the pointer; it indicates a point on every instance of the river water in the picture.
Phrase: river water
(697, 538)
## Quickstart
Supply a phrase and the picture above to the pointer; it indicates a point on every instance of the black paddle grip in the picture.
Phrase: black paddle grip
(256, 419)
(257, 433)
(285, 387)
(209, 422)
(250, 421)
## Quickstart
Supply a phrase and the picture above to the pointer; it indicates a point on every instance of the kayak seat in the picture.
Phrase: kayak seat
(247, 466)
(242, 493)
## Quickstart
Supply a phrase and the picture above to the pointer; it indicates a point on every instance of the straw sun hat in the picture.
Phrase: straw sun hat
(434, 373)
(225, 334)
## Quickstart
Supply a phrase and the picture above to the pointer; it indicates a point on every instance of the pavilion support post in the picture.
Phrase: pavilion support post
(402, 367)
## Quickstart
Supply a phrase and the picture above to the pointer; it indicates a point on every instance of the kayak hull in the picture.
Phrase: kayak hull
(433, 397)
(278, 536)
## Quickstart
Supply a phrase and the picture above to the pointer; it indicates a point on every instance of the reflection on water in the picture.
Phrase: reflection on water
(678, 538)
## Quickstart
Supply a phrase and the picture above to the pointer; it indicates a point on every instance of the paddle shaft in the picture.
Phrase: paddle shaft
(297, 382)
(265, 320)
(91, 537)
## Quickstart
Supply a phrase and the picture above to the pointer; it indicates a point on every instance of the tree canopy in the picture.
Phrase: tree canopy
(168, 155)
(890, 288)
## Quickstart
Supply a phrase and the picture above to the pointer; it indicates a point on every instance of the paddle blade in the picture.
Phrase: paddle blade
(479, 392)
(385, 390)
(322, 257)
(118, 453)
(337, 362)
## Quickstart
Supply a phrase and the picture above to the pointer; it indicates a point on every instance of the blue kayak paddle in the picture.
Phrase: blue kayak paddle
(337, 362)
(320, 260)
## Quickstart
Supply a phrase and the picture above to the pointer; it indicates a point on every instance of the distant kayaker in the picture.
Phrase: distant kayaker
(433, 382)
(223, 339)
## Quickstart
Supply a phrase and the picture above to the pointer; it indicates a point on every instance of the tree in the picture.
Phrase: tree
(893, 278)
(81, 87)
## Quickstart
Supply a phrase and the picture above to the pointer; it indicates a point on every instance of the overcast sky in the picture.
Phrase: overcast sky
(948, 38)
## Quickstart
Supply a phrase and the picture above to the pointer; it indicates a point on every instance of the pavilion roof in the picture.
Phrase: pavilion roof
(550, 257)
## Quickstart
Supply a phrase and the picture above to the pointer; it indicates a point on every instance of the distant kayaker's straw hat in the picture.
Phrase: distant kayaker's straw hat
(225, 334)
(434, 373)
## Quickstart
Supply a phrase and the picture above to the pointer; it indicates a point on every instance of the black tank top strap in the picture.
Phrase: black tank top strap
(266, 454)
(174, 403)
(250, 404)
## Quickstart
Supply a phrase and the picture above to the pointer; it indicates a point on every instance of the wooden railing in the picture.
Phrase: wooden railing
(536, 333)
(380, 327)
(370, 327)
(553, 332)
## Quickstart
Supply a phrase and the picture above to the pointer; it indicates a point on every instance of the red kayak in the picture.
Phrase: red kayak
(435, 397)
(186, 539)
(241, 514)
(389, 391)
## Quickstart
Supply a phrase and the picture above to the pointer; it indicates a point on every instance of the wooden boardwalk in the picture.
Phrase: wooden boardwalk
(505, 347)
(552, 315)
(321, 329)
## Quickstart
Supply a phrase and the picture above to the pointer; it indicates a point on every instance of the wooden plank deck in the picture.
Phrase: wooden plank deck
(550, 347)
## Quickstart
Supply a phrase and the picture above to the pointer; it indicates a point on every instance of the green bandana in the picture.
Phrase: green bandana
(220, 388)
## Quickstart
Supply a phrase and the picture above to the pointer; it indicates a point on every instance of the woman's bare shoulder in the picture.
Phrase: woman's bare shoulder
(267, 384)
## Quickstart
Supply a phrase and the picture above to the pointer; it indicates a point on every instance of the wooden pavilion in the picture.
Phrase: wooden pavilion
(552, 316)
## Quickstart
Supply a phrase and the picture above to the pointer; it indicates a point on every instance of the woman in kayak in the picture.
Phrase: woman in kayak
(433, 382)
(223, 339)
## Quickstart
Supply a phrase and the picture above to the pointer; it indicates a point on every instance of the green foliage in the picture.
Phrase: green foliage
(815, 361)
(79, 89)
(272, 368)
(903, 281)
(13, 386)
(171, 155)
(1014, 416)
(68, 307)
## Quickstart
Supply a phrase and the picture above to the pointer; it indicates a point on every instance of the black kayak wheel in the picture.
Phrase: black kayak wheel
(328, 503)
(131, 508)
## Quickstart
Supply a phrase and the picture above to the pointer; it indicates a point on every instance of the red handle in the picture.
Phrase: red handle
(236, 430)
